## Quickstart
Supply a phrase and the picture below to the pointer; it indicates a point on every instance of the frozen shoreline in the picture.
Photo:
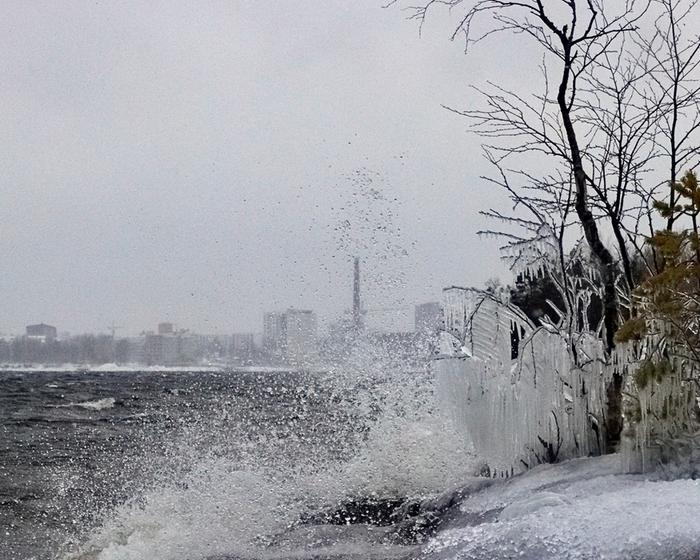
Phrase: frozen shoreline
(579, 509)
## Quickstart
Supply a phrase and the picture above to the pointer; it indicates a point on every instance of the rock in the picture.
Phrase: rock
(532, 504)
(371, 511)
(417, 521)
(410, 521)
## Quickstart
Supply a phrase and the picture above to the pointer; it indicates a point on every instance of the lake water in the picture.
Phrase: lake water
(195, 465)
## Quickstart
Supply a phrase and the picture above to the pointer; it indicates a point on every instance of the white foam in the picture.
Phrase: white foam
(99, 404)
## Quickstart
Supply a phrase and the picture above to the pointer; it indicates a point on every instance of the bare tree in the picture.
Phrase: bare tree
(639, 105)
(675, 89)
(577, 38)
(616, 121)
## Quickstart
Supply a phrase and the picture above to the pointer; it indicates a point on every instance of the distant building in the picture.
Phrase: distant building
(428, 317)
(170, 347)
(129, 349)
(43, 331)
(300, 335)
(159, 349)
(273, 333)
(165, 328)
(291, 336)
(242, 348)
(190, 347)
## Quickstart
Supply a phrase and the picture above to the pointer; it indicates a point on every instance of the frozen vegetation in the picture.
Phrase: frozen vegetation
(520, 392)
(529, 395)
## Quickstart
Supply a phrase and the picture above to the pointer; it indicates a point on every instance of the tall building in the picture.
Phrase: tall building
(273, 333)
(300, 336)
(170, 347)
(42, 330)
(161, 350)
(428, 317)
(291, 336)
(242, 348)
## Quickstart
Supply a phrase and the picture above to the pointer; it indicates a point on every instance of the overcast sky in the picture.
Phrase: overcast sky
(202, 162)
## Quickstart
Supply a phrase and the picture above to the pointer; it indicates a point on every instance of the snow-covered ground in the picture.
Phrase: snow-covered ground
(579, 509)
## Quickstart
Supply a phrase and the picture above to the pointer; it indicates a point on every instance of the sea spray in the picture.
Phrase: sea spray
(243, 492)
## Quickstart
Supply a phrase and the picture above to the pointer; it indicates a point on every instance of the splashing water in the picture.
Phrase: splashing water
(243, 493)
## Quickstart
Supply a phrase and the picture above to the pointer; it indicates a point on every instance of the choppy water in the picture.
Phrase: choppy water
(147, 466)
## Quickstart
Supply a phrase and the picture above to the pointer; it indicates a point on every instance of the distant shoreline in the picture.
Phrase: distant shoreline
(135, 368)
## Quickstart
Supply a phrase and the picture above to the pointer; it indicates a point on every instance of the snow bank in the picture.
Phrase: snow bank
(581, 509)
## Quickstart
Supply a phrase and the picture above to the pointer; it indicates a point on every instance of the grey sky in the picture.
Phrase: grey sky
(190, 161)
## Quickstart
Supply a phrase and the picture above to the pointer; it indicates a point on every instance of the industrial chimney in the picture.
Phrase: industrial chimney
(356, 316)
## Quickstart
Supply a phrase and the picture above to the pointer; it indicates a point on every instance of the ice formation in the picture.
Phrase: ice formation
(524, 395)
(662, 424)
(528, 395)
(582, 509)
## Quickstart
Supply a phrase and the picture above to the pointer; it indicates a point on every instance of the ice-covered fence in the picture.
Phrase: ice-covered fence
(522, 394)
(495, 328)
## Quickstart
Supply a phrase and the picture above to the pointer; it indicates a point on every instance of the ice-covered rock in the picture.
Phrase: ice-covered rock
(532, 504)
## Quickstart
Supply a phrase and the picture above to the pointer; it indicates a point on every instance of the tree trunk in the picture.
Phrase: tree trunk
(605, 260)
(613, 414)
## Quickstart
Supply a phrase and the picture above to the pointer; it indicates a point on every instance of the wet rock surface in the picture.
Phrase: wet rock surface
(371, 511)
(407, 521)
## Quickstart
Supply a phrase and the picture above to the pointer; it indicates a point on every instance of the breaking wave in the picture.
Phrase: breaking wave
(250, 505)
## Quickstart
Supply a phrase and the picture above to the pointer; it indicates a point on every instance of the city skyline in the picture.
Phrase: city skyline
(376, 318)
(400, 312)
(289, 338)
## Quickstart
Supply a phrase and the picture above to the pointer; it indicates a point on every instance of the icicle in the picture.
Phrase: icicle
(550, 402)
(522, 412)
(661, 410)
